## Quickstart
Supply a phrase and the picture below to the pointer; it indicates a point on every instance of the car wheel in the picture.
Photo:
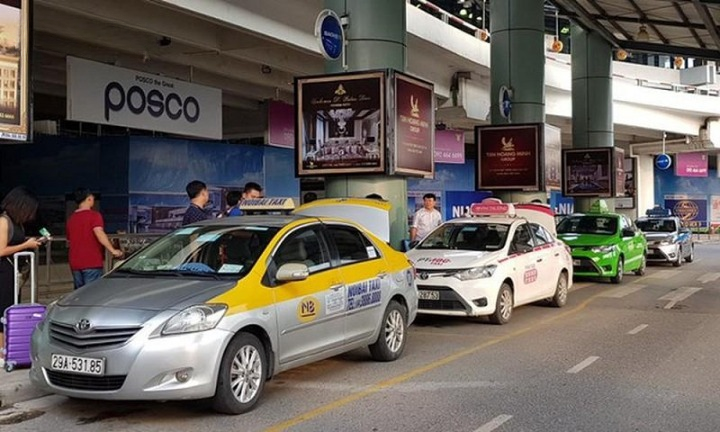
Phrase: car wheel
(620, 270)
(691, 255)
(242, 375)
(561, 291)
(641, 270)
(391, 341)
(503, 306)
(679, 260)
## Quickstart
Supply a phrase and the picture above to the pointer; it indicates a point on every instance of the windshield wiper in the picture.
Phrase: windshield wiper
(175, 273)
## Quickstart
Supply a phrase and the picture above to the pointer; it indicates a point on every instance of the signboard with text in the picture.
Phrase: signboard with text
(552, 157)
(340, 124)
(281, 124)
(692, 210)
(414, 126)
(15, 51)
(509, 157)
(691, 164)
(104, 94)
(588, 172)
(449, 146)
(627, 201)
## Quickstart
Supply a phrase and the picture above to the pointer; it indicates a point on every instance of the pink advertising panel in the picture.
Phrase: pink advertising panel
(450, 146)
(281, 124)
(691, 164)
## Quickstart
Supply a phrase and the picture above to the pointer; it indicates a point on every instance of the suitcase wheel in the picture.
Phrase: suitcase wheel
(9, 366)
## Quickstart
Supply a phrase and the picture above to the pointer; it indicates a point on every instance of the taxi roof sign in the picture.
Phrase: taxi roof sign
(599, 206)
(492, 207)
(267, 205)
(658, 211)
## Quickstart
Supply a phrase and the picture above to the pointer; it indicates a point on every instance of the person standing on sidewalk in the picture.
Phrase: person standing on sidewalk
(426, 219)
(199, 197)
(87, 240)
(16, 209)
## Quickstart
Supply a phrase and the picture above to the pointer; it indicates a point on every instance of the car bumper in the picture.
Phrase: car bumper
(142, 369)
(667, 253)
(458, 298)
(590, 264)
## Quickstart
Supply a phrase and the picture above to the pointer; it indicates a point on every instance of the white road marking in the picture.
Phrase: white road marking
(494, 423)
(580, 285)
(583, 364)
(623, 291)
(637, 329)
(678, 295)
(662, 274)
(709, 277)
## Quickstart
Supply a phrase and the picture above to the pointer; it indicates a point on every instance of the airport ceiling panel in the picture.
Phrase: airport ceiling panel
(674, 27)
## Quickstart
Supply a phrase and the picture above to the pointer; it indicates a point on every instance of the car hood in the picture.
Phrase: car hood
(573, 240)
(153, 294)
(658, 236)
(441, 259)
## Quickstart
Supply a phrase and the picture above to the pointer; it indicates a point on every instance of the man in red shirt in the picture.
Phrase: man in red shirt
(87, 240)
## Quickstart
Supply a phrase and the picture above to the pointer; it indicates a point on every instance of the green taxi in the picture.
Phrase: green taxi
(603, 244)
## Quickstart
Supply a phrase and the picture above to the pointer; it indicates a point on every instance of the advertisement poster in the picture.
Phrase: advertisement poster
(14, 69)
(714, 213)
(561, 204)
(414, 126)
(691, 164)
(340, 122)
(627, 201)
(692, 210)
(281, 124)
(588, 172)
(109, 95)
(508, 157)
(552, 155)
(619, 169)
(450, 146)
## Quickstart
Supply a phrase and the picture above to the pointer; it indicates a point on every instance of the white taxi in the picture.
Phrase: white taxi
(501, 257)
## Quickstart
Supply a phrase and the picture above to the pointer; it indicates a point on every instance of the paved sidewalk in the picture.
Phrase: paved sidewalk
(15, 387)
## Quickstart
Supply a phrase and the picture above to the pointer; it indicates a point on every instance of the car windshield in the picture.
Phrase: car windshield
(468, 236)
(588, 224)
(657, 225)
(205, 251)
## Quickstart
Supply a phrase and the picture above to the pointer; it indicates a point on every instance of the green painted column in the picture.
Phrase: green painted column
(375, 35)
(517, 59)
(592, 100)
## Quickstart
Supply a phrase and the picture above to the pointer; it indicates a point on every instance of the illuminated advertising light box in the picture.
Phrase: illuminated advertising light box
(340, 123)
(15, 70)
(414, 126)
(509, 157)
(590, 172)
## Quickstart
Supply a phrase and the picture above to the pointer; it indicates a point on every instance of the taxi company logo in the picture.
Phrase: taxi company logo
(434, 261)
(155, 102)
(507, 145)
(687, 210)
(414, 110)
(424, 275)
(82, 326)
(340, 90)
(308, 309)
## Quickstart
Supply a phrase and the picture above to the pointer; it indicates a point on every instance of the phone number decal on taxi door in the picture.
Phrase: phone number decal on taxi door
(364, 294)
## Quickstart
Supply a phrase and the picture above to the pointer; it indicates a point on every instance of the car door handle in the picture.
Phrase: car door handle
(539, 260)
(557, 253)
(336, 287)
(382, 275)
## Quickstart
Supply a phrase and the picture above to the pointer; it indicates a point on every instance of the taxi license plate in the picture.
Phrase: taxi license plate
(576, 262)
(78, 365)
(428, 295)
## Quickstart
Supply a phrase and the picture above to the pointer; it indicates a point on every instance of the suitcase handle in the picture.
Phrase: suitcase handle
(16, 273)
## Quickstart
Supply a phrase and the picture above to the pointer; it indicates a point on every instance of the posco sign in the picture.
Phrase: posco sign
(104, 94)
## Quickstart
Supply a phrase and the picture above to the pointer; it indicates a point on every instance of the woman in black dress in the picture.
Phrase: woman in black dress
(16, 209)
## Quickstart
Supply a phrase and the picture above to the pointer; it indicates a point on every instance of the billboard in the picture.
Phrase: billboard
(450, 146)
(414, 126)
(104, 94)
(509, 157)
(691, 164)
(281, 124)
(15, 70)
(588, 172)
(627, 201)
(340, 124)
(552, 157)
(692, 210)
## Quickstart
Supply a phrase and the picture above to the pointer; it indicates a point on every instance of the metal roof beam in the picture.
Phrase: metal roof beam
(613, 22)
(686, 21)
(708, 21)
(670, 49)
(626, 19)
(586, 20)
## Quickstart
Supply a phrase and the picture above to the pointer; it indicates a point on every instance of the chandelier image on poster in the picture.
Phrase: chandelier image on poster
(589, 172)
(340, 122)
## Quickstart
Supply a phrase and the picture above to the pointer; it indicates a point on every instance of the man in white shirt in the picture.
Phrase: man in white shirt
(426, 219)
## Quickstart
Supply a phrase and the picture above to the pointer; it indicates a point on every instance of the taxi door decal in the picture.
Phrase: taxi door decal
(308, 309)
(364, 294)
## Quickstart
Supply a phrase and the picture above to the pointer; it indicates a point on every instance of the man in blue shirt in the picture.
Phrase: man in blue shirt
(199, 196)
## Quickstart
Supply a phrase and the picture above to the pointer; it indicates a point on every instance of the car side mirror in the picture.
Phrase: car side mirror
(292, 272)
(628, 232)
(685, 230)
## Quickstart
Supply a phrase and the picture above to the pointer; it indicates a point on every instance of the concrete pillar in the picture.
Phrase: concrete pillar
(517, 58)
(592, 114)
(375, 38)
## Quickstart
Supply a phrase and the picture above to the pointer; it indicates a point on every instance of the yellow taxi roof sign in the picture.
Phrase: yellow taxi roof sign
(267, 205)
(599, 206)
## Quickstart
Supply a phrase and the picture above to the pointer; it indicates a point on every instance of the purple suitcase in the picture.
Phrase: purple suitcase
(21, 319)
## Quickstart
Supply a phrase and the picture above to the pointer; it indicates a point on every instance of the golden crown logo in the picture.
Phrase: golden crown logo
(507, 145)
(340, 90)
(414, 110)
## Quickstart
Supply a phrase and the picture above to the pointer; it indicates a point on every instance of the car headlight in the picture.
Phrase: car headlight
(603, 249)
(195, 319)
(48, 310)
(476, 272)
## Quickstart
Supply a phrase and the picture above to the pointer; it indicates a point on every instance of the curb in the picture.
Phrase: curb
(16, 387)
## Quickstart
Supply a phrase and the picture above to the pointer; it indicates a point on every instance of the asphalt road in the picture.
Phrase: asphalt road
(639, 356)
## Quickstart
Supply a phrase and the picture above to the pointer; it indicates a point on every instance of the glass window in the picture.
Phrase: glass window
(522, 239)
(352, 245)
(542, 236)
(588, 224)
(201, 251)
(468, 236)
(303, 247)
